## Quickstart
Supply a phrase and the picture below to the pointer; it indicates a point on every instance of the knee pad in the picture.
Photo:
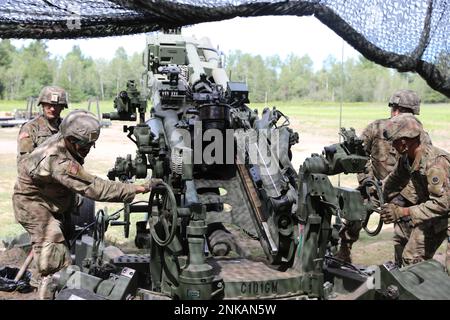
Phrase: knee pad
(53, 257)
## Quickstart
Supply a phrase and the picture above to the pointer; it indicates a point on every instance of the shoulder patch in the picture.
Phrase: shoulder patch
(435, 180)
(76, 171)
(73, 168)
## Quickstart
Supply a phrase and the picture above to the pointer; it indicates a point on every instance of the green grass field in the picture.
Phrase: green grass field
(356, 114)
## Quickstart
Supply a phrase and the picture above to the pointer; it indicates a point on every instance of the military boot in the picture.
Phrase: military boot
(35, 279)
(47, 288)
(344, 253)
(398, 253)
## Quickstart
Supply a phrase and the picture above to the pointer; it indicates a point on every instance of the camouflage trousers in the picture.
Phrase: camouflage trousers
(422, 244)
(402, 233)
(51, 257)
(49, 248)
(349, 232)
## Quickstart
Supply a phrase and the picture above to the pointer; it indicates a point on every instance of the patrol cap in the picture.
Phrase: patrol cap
(406, 99)
(404, 125)
(53, 95)
(82, 125)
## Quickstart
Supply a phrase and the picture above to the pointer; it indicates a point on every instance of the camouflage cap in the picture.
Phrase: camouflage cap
(82, 125)
(53, 95)
(406, 99)
(404, 125)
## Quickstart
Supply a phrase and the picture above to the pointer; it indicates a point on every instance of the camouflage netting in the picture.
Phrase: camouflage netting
(409, 35)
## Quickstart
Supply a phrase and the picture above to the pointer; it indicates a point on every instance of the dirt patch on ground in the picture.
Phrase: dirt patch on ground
(13, 257)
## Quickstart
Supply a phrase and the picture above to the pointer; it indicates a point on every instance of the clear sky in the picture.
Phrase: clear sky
(260, 35)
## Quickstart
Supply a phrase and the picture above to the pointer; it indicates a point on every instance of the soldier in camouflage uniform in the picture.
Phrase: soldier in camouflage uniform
(48, 180)
(383, 158)
(428, 168)
(33, 133)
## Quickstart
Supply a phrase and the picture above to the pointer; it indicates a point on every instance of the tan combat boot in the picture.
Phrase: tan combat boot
(47, 289)
(344, 253)
(35, 279)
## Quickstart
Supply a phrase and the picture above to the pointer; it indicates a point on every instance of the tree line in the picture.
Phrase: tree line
(353, 80)
(23, 72)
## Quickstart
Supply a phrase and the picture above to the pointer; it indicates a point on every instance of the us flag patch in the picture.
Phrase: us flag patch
(73, 168)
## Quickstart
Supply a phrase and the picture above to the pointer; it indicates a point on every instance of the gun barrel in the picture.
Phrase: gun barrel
(194, 61)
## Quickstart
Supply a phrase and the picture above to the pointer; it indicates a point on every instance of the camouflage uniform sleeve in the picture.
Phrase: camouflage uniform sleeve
(368, 173)
(396, 181)
(25, 142)
(409, 193)
(425, 138)
(73, 176)
(367, 137)
(438, 203)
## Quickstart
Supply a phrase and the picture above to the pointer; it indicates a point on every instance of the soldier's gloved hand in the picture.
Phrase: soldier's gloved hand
(152, 183)
(147, 187)
(391, 213)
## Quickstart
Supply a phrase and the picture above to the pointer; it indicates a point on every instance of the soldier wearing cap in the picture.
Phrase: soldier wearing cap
(48, 180)
(33, 133)
(428, 169)
(383, 158)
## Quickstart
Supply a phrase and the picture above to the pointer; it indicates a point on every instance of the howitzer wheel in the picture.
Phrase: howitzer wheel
(377, 203)
(162, 205)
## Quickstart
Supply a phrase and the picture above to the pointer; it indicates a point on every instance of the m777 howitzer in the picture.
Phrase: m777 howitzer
(223, 166)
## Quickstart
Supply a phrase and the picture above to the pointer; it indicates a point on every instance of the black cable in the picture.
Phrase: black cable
(346, 264)
(379, 192)
(249, 234)
(80, 233)
(120, 210)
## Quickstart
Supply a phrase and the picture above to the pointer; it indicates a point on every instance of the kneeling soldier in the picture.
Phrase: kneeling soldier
(428, 168)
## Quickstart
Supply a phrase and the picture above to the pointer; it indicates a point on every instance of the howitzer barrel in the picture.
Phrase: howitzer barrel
(212, 57)
(208, 51)
(194, 61)
(220, 77)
